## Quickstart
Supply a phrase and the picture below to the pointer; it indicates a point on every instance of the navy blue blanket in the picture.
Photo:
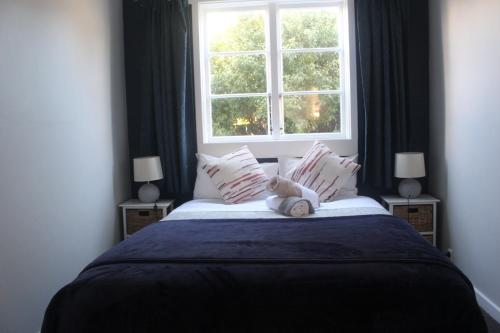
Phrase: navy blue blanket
(345, 274)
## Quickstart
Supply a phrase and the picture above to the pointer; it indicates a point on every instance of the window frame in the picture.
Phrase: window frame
(347, 137)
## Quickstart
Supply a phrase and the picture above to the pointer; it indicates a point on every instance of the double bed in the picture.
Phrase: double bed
(211, 267)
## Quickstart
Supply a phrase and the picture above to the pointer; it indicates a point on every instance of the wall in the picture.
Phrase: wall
(63, 147)
(465, 137)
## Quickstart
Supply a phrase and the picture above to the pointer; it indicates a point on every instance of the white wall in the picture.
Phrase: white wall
(465, 137)
(63, 147)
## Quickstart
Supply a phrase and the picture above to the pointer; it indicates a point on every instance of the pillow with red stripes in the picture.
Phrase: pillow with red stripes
(323, 171)
(237, 176)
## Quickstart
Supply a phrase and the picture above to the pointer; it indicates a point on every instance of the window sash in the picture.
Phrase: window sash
(274, 53)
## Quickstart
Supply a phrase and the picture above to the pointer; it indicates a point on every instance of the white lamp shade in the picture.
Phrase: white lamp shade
(409, 165)
(147, 169)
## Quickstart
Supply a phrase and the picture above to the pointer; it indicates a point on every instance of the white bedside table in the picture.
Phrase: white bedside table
(137, 214)
(420, 213)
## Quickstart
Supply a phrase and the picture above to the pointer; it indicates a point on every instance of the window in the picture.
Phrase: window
(274, 71)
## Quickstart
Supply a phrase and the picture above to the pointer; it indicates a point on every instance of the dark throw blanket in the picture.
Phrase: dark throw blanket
(345, 274)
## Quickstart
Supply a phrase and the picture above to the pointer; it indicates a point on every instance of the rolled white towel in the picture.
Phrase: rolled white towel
(310, 195)
(291, 206)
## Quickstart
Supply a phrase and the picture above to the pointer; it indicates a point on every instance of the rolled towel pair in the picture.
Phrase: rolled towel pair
(291, 199)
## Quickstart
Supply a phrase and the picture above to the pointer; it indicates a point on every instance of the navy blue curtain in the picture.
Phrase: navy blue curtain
(392, 78)
(159, 81)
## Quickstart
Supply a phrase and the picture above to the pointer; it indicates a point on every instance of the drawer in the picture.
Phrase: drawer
(139, 218)
(419, 216)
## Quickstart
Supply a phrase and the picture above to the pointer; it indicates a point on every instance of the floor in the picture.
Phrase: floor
(493, 326)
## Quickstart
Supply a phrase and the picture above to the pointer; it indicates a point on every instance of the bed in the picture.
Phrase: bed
(211, 267)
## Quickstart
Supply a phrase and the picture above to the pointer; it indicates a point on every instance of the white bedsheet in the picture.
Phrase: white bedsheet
(216, 209)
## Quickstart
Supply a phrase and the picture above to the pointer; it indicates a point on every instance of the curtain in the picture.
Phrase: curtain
(392, 78)
(160, 97)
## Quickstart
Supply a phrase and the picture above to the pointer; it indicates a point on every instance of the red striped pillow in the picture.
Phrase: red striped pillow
(324, 172)
(237, 176)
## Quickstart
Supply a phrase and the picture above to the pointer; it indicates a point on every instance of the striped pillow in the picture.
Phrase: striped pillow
(324, 172)
(237, 176)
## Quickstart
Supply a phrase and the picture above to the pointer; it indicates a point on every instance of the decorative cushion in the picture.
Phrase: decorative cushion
(203, 187)
(323, 171)
(237, 176)
(287, 164)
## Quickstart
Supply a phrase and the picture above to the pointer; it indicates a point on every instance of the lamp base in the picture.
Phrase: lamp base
(409, 188)
(148, 193)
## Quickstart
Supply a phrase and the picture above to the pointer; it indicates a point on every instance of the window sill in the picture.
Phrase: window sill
(268, 148)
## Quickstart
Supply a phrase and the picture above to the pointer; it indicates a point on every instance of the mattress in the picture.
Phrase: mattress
(257, 209)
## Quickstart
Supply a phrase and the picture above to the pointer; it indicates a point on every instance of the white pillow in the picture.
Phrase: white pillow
(270, 168)
(287, 163)
(205, 189)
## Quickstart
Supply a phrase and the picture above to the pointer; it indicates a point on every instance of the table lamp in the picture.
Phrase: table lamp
(409, 166)
(147, 169)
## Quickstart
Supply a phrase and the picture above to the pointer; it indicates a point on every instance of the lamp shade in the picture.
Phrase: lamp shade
(147, 169)
(409, 165)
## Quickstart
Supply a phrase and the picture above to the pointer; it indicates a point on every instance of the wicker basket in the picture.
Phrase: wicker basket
(430, 238)
(420, 217)
(139, 218)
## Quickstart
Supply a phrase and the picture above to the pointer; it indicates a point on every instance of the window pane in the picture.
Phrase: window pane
(238, 74)
(312, 114)
(309, 28)
(311, 71)
(236, 31)
(239, 116)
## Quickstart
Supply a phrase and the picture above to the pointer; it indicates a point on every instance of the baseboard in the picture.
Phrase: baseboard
(487, 305)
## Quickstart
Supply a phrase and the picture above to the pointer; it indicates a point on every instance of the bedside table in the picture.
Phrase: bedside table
(421, 213)
(137, 214)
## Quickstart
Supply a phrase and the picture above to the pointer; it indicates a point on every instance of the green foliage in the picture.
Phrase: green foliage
(312, 114)
(238, 74)
(239, 116)
(308, 29)
(247, 34)
(309, 71)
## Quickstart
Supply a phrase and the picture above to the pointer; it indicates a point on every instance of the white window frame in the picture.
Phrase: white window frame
(277, 142)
